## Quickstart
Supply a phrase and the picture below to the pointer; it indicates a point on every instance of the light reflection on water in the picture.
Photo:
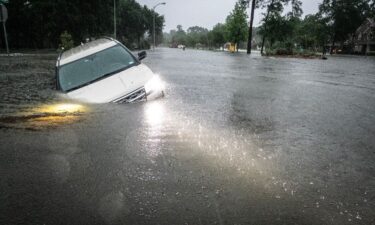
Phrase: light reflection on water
(272, 107)
(183, 137)
(155, 113)
(211, 132)
(61, 108)
(155, 116)
(172, 132)
(45, 116)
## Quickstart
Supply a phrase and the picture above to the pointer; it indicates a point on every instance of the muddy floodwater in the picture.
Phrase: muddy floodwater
(237, 140)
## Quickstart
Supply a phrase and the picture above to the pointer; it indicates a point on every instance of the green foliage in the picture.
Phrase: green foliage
(274, 9)
(39, 23)
(235, 30)
(178, 36)
(336, 21)
(312, 33)
(134, 21)
(197, 36)
(217, 35)
(296, 9)
(293, 35)
(343, 17)
(372, 9)
(236, 24)
(277, 29)
(66, 41)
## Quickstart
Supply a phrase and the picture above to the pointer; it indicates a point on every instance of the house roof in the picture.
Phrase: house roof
(366, 25)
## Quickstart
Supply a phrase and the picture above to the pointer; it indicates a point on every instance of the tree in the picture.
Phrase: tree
(312, 33)
(344, 17)
(131, 23)
(66, 41)
(278, 29)
(372, 9)
(179, 36)
(180, 29)
(237, 24)
(217, 35)
(197, 35)
(273, 7)
(159, 24)
(39, 23)
(296, 9)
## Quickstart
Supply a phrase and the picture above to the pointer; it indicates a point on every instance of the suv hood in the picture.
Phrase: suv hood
(115, 86)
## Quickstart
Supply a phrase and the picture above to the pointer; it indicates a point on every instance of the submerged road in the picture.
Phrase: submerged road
(237, 140)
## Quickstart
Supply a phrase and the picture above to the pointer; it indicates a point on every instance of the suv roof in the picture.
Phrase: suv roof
(85, 50)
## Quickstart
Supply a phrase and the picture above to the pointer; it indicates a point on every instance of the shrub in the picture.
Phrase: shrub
(66, 41)
(284, 51)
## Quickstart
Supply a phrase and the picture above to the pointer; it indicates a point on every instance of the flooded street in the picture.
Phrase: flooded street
(237, 140)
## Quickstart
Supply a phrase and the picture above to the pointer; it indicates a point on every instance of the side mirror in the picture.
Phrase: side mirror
(142, 55)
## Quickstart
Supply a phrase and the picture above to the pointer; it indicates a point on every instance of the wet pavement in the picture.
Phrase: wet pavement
(237, 140)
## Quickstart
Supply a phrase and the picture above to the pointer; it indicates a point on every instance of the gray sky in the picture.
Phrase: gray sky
(206, 13)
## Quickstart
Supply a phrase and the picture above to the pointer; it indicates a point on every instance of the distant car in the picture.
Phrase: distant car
(104, 71)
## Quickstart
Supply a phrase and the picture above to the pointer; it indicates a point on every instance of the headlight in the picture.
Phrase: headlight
(155, 84)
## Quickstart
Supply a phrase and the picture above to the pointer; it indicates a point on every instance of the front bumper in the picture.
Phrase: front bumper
(140, 95)
(135, 96)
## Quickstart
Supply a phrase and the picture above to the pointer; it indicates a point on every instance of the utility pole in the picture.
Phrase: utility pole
(250, 38)
(154, 29)
(114, 19)
(4, 18)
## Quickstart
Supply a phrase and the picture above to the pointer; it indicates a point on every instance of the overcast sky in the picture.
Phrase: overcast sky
(205, 13)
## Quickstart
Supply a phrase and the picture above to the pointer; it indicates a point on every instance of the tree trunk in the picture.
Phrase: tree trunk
(333, 45)
(250, 38)
(352, 44)
(263, 40)
(265, 26)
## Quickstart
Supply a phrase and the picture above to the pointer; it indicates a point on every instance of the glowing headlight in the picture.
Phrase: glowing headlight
(155, 84)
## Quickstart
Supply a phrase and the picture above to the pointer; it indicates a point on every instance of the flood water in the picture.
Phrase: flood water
(237, 140)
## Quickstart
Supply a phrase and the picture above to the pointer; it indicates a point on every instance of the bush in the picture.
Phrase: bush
(66, 41)
(284, 51)
(144, 45)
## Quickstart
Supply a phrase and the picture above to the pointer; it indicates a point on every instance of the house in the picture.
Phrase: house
(364, 41)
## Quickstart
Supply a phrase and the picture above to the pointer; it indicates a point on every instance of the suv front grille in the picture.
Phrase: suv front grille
(135, 96)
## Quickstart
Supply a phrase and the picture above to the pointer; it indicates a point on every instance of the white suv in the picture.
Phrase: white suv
(104, 71)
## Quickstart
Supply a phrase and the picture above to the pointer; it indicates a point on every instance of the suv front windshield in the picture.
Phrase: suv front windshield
(94, 67)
